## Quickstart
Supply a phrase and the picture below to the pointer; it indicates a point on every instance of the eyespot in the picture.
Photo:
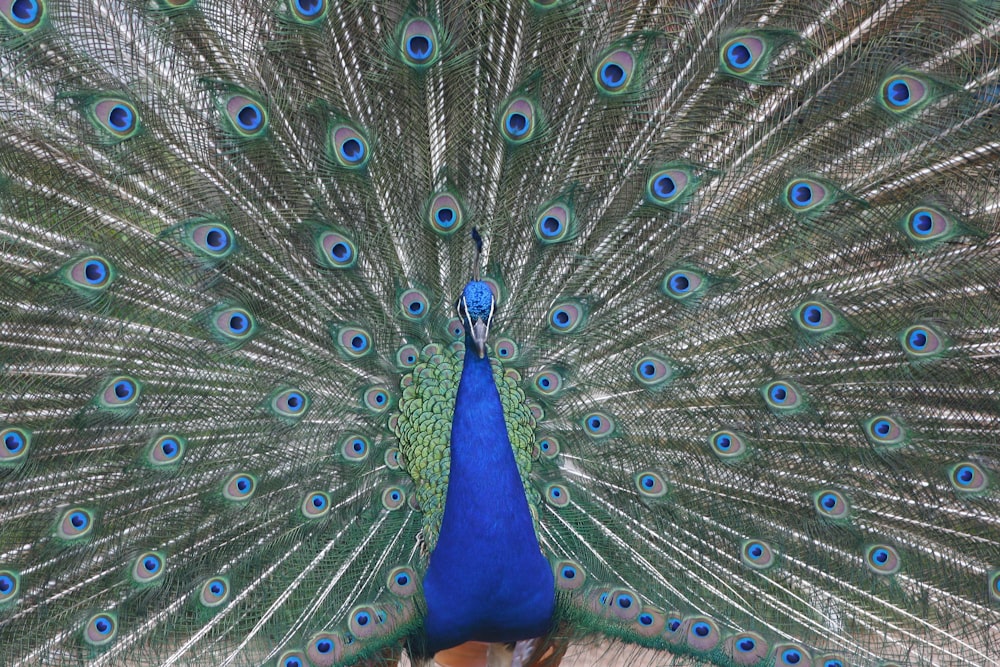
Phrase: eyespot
(782, 396)
(214, 592)
(75, 523)
(548, 447)
(234, 325)
(614, 73)
(245, 116)
(213, 240)
(547, 383)
(120, 392)
(90, 274)
(403, 581)
(407, 356)
(518, 121)
(413, 305)
(557, 495)
(445, 214)
(674, 630)
(882, 559)
(391, 458)
(569, 575)
(831, 504)
(883, 430)
(924, 225)
(353, 342)
(554, 224)
(791, 655)
(727, 445)
(292, 659)
(903, 93)
(316, 505)
(814, 317)
(650, 484)
(240, 487)
(921, 342)
(506, 349)
(148, 567)
(10, 586)
(757, 554)
(703, 634)
(377, 399)
(419, 44)
(741, 55)
(117, 117)
(100, 629)
(393, 498)
(542, 6)
(335, 251)
(994, 583)
(622, 603)
(166, 450)
(747, 648)
(307, 11)
(804, 194)
(325, 650)
(567, 317)
(598, 425)
(23, 15)
(681, 285)
(652, 371)
(455, 328)
(354, 448)
(668, 186)
(968, 477)
(348, 146)
(830, 661)
(290, 404)
(650, 622)
(14, 445)
(364, 621)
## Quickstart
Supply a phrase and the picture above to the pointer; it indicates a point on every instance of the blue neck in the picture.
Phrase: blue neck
(487, 579)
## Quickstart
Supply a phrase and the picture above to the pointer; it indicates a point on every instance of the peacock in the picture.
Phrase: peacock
(345, 333)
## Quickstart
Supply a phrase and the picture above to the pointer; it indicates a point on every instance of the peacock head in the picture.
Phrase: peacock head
(475, 307)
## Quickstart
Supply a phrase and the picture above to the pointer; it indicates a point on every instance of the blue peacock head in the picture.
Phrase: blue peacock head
(475, 307)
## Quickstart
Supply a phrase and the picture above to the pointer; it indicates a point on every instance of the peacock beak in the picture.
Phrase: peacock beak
(480, 330)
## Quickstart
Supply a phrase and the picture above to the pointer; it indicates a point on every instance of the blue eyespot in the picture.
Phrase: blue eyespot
(650, 484)
(882, 559)
(598, 424)
(239, 487)
(419, 44)
(904, 93)
(831, 504)
(403, 581)
(10, 586)
(614, 72)
(348, 147)
(335, 250)
(24, 14)
(15, 445)
(557, 495)
(308, 11)
(652, 371)
(519, 121)
(100, 629)
(566, 317)
(148, 567)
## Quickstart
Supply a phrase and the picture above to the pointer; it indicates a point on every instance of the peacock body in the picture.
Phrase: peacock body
(334, 330)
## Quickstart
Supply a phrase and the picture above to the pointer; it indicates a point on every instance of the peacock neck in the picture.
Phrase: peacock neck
(487, 579)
